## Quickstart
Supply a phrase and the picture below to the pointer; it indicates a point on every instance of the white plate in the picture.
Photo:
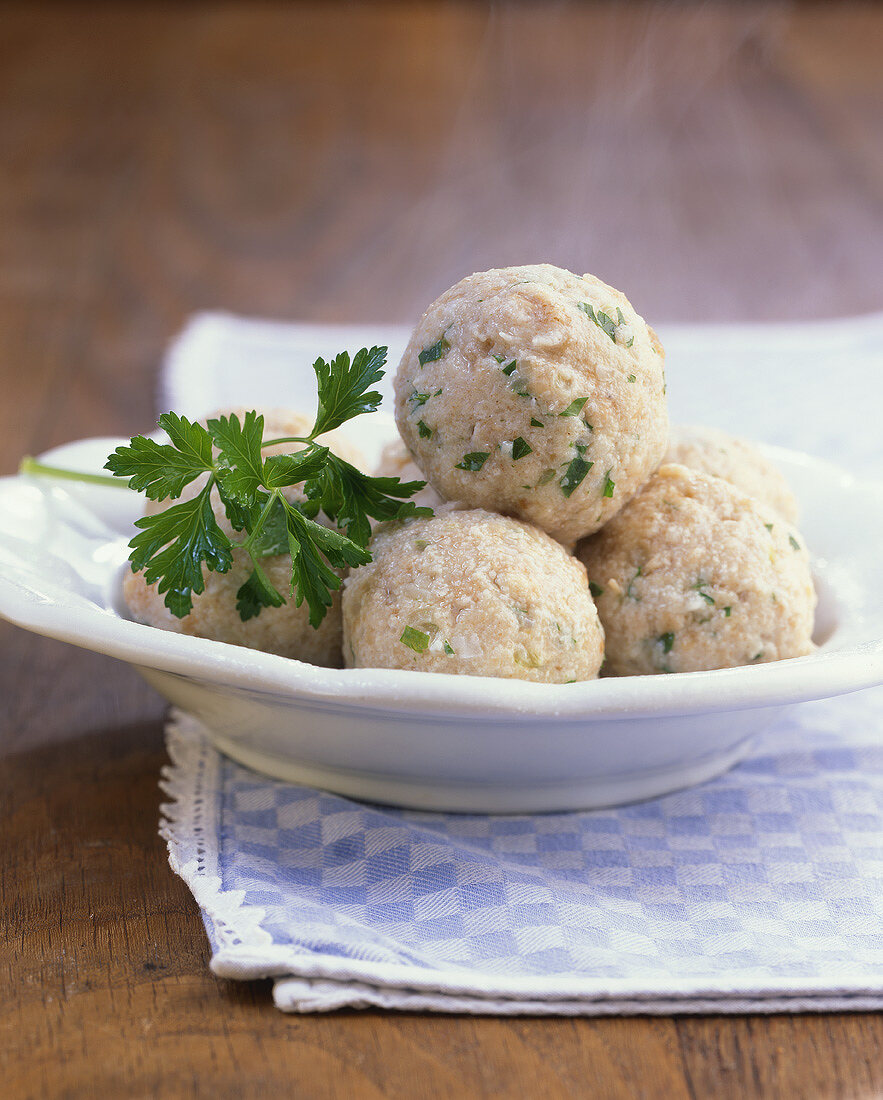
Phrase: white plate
(436, 741)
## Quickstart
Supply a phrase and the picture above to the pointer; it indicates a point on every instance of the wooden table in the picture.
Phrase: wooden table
(347, 162)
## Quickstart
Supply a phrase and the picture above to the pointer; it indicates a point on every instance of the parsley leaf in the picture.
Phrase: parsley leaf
(349, 497)
(163, 470)
(241, 467)
(173, 546)
(282, 470)
(342, 387)
(256, 594)
(272, 537)
(312, 577)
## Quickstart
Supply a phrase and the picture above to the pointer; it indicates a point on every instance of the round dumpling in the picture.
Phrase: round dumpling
(473, 593)
(395, 461)
(534, 392)
(283, 630)
(735, 460)
(692, 574)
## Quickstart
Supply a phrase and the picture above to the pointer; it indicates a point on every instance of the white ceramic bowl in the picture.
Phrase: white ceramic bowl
(444, 742)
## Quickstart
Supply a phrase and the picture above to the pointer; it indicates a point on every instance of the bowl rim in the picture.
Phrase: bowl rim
(104, 630)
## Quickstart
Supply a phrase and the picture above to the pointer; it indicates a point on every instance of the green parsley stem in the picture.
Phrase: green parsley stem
(249, 542)
(287, 439)
(31, 466)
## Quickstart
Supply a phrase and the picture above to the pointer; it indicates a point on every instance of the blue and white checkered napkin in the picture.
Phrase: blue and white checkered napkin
(759, 891)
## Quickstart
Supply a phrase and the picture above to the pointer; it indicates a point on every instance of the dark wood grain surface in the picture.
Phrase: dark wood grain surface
(347, 162)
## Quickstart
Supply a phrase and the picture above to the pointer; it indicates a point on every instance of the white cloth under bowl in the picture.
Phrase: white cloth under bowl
(761, 891)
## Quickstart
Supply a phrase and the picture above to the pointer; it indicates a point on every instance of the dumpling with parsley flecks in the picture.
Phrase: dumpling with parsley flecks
(693, 574)
(537, 393)
(735, 460)
(395, 461)
(475, 594)
(284, 630)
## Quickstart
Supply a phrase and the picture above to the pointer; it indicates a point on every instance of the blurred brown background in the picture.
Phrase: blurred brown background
(347, 162)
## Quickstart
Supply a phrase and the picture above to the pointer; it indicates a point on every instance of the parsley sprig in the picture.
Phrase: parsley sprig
(175, 546)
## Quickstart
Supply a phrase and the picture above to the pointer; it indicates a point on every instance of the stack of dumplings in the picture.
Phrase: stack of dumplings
(571, 529)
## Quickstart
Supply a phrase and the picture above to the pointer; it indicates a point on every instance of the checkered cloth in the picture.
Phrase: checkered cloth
(759, 891)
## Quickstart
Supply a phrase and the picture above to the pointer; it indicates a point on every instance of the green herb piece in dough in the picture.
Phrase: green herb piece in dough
(520, 448)
(473, 461)
(414, 639)
(574, 475)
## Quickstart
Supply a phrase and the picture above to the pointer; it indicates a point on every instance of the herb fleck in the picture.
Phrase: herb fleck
(596, 589)
(698, 586)
(795, 544)
(545, 477)
(629, 593)
(667, 640)
(420, 398)
(768, 526)
(424, 429)
(534, 423)
(527, 659)
(632, 378)
(574, 474)
(449, 649)
(510, 367)
(520, 448)
(414, 639)
(609, 485)
(575, 407)
(727, 611)
(473, 461)
(600, 318)
(620, 320)
(436, 351)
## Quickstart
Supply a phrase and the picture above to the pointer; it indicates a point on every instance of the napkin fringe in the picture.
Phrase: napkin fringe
(189, 825)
